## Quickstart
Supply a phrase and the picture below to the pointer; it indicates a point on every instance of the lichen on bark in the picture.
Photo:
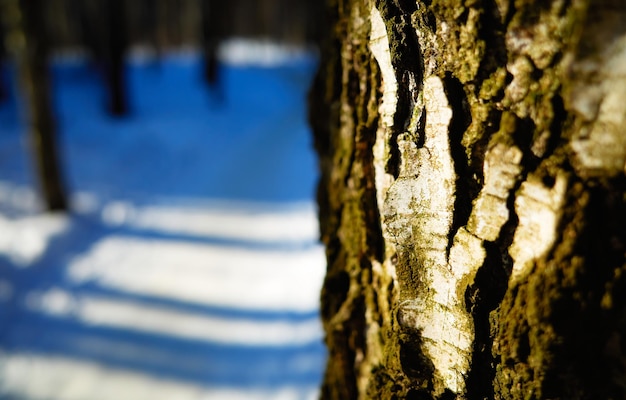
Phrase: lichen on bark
(472, 199)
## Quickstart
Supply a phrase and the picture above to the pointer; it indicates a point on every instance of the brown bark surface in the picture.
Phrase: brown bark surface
(472, 199)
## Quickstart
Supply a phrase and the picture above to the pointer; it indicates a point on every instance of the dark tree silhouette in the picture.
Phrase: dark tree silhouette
(210, 39)
(117, 42)
(104, 33)
(4, 92)
(33, 55)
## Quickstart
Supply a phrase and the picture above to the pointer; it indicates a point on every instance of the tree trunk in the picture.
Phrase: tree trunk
(473, 199)
(213, 15)
(104, 32)
(28, 38)
(116, 44)
(4, 90)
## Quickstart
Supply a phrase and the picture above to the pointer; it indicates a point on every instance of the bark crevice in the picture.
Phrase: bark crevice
(480, 217)
(407, 62)
(465, 190)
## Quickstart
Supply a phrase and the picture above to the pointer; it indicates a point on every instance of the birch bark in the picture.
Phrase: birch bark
(472, 199)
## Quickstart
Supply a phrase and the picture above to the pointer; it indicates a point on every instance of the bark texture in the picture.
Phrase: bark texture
(472, 199)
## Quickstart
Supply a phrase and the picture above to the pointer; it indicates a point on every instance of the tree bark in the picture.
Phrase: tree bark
(28, 37)
(473, 199)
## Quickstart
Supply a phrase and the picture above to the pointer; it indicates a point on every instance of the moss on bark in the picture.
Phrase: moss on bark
(534, 248)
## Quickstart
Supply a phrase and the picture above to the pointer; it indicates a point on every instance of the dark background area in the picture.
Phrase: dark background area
(166, 24)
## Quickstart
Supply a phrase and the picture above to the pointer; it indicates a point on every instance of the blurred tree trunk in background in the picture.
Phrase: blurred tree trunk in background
(107, 29)
(473, 199)
(104, 33)
(115, 49)
(4, 90)
(171, 24)
(28, 37)
(215, 14)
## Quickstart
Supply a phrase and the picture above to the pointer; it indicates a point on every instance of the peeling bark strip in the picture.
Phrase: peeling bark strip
(418, 214)
(473, 199)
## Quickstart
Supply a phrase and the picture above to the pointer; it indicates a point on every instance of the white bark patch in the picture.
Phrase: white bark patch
(521, 69)
(490, 212)
(379, 46)
(539, 209)
(418, 213)
(601, 149)
(466, 256)
(419, 205)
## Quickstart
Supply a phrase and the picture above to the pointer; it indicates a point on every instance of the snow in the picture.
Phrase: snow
(189, 266)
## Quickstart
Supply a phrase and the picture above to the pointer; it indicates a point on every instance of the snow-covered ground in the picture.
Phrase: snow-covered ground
(189, 266)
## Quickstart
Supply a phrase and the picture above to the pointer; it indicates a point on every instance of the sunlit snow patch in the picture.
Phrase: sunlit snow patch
(289, 224)
(135, 316)
(34, 377)
(240, 51)
(204, 273)
(24, 240)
